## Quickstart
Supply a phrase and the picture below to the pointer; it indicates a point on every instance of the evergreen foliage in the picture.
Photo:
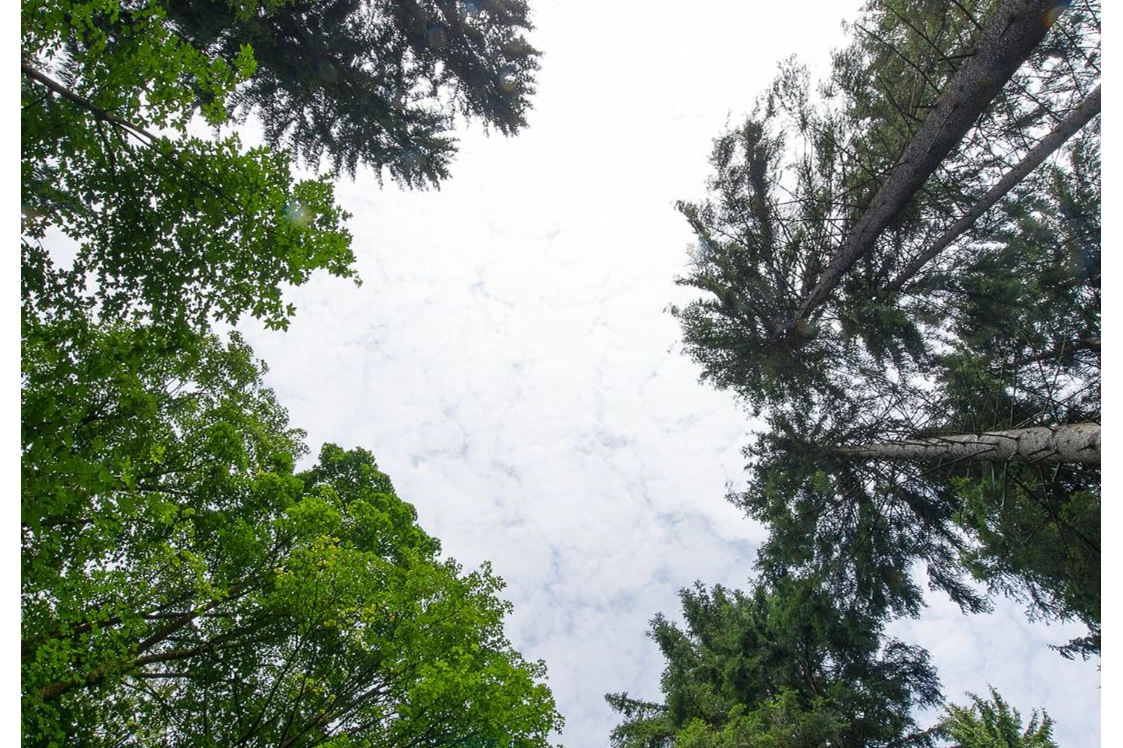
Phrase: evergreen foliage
(780, 666)
(952, 315)
(999, 330)
(992, 723)
(375, 82)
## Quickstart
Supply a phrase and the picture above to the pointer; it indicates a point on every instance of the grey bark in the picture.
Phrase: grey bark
(1068, 127)
(1016, 27)
(1048, 445)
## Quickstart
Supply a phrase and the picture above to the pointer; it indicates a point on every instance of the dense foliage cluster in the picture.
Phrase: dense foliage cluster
(182, 583)
(783, 666)
(894, 306)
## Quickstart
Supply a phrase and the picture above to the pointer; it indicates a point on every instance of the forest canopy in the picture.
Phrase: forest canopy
(183, 582)
(898, 271)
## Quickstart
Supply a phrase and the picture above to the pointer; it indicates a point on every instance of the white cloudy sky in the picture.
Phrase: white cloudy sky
(509, 361)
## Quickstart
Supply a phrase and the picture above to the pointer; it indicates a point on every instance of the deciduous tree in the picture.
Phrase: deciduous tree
(182, 585)
(164, 227)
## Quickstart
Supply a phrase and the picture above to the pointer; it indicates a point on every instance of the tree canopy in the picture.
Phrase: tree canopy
(180, 229)
(167, 227)
(375, 83)
(780, 666)
(182, 585)
(966, 304)
(899, 271)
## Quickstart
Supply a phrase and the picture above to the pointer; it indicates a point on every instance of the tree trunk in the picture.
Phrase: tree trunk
(1015, 28)
(1047, 445)
(1068, 127)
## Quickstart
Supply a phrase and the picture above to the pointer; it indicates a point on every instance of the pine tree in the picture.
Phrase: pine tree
(998, 329)
(783, 666)
(373, 82)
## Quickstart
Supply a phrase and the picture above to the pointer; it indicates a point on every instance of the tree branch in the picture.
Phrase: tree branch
(1008, 38)
(1068, 127)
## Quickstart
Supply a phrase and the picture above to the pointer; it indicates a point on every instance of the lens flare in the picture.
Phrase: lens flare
(1055, 12)
(298, 214)
(508, 81)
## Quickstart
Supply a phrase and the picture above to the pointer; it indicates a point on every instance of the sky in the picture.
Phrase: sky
(510, 362)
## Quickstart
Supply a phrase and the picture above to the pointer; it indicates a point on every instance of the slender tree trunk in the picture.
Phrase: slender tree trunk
(55, 87)
(1048, 445)
(1068, 127)
(1015, 28)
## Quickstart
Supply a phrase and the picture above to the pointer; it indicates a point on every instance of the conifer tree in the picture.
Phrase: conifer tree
(373, 82)
(997, 329)
(782, 665)
(993, 723)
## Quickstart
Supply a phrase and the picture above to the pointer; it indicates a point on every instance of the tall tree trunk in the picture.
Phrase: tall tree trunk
(1015, 28)
(1068, 127)
(1048, 445)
